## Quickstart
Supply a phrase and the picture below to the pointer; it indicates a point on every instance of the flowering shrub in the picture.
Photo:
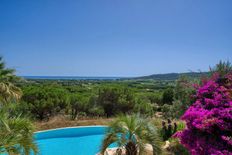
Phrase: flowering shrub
(209, 119)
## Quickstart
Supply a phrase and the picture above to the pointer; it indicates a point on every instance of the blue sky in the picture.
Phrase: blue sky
(114, 37)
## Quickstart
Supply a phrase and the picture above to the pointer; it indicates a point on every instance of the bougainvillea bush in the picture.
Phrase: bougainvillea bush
(209, 119)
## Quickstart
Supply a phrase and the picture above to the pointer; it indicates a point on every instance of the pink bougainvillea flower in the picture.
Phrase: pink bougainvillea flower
(209, 119)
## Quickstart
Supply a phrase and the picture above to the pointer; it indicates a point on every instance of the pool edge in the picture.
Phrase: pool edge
(88, 126)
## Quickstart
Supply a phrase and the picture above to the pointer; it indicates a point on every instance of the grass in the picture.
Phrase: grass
(61, 121)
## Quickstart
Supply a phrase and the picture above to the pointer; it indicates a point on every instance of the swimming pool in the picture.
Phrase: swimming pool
(71, 141)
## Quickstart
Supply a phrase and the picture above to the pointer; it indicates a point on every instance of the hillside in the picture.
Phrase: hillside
(173, 76)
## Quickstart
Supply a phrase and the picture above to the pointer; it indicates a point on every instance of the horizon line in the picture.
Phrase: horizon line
(111, 76)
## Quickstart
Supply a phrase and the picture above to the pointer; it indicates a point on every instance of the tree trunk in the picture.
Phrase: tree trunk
(131, 148)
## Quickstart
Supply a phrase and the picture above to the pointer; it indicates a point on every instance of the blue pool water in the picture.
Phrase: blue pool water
(71, 141)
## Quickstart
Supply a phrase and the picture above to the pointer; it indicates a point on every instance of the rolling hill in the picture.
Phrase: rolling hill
(173, 76)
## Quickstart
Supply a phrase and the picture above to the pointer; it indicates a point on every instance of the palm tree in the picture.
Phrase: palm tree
(132, 133)
(16, 135)
(8, 91)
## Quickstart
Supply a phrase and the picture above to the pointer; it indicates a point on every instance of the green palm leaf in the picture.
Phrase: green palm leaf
(8, 91)
(16, 135)
(132, 133)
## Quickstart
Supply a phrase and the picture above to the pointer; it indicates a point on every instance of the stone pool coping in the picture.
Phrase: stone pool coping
(88, 126)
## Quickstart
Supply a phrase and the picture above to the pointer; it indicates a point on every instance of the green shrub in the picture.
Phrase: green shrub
(183, 92)
(176, 148)
(78, 106)
(96, 111)
(115, 101)
(143, 108)
(155, 98)
(168, 95)
(166, 110)
(168, 129)
(45, 100)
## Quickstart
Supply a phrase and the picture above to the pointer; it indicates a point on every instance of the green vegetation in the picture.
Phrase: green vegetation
(168, 129)
(168, 96)
(132, 133)
(150, 97)
(8, 91)
(176, 148)
(222, 68)
(16, 133)
(174, 76)
(183, 97)
(43, 99)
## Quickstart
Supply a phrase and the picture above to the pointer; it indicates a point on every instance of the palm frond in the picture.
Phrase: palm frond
(108, 139)
(8, 91)
(132, 133)
(16, 135)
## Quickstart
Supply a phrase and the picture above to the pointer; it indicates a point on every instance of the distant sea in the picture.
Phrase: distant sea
(71, 78)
